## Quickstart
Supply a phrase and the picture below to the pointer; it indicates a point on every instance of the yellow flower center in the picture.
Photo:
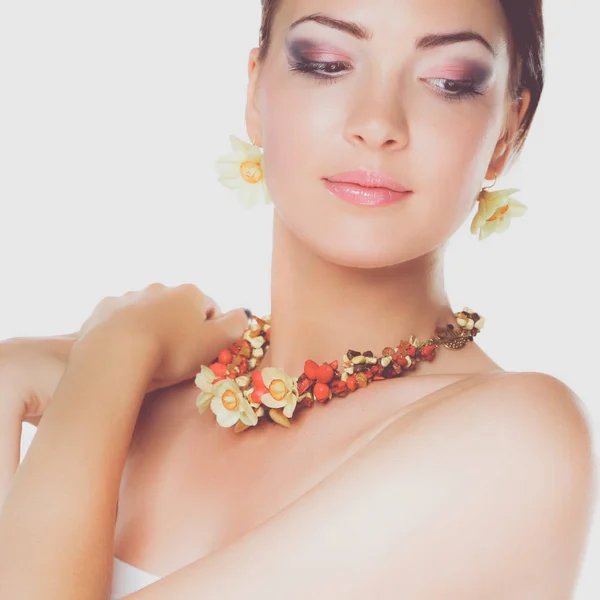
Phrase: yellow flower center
(278, 390)
(499, 214)
(230, 400)
(251, 171)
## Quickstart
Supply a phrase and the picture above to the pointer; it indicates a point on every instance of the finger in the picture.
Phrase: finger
(222, 331)
(214, 309)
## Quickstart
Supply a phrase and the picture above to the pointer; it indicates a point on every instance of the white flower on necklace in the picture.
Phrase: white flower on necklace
(230, 405)
(204, 380)
(496, 209)
(225, 398)
(282, 390)
(243, 170)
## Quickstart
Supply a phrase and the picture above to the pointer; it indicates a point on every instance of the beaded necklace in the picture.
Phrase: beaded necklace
(240, 393)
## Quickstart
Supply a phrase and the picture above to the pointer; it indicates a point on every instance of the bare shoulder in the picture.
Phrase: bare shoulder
(517, 449)
(539, 410)
(534, 391)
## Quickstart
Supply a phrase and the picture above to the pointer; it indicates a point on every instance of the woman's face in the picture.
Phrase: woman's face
(427, 112)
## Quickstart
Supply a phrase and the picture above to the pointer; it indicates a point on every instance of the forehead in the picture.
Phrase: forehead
(388, 19)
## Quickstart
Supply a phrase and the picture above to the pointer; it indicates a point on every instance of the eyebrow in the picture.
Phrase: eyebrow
(432, 40)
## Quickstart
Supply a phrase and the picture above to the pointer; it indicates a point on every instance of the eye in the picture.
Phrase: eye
(319, 70)
(455, 89)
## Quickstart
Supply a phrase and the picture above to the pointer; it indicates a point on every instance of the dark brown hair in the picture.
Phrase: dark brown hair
(527, 31)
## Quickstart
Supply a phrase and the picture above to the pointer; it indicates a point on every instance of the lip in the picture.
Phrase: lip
(366, 188)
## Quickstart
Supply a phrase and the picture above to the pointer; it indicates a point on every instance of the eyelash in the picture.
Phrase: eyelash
(316, 70)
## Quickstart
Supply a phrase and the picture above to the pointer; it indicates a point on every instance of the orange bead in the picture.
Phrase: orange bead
(325, 373)
(352, 383)
(256, 395)
(225, 357)
(321, 392)
(310, 369)
(257, 379)
(338, 386)
(428, 353)
(219, 369)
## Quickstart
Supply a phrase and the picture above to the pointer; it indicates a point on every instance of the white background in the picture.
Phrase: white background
(113, 113)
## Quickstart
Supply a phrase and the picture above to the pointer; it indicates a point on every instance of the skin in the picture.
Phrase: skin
(268, 515)
(380, 115)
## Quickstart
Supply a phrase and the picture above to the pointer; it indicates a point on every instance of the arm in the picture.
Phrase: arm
(57, 523)
(29, 369)
(485, 495)
(10, 447)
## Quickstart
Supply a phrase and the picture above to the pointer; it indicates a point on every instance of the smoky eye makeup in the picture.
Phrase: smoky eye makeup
(303, 49)
(458, 77)
(458, 66)
(476, 73)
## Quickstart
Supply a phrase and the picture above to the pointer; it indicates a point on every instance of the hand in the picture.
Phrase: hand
(183, 327)
(30, 370)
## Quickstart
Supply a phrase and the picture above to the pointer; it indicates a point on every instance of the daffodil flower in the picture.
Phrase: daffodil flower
(496, 209)
(282, 390)
(204, 380)
(243, 170)
(230, 405)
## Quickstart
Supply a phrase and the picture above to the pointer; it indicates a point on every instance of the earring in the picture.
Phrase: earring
(243, 170)
(496, 209)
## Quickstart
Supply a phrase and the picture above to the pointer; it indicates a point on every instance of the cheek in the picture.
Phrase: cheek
(452, 145)
(301, 132)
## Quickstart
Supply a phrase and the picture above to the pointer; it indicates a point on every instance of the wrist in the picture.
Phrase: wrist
(135, 351)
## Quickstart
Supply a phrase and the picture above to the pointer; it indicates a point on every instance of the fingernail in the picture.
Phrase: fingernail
(248, 313)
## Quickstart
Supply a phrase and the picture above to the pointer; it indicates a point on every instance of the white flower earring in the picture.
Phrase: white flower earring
(496, 209)
(243, 170)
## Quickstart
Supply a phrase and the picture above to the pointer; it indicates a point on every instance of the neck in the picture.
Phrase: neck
(319, 310)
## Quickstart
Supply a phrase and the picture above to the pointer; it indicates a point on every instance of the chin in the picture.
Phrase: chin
(346, 251)
(362, 238)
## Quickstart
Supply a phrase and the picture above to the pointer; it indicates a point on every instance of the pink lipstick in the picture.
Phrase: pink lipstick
(365, 188)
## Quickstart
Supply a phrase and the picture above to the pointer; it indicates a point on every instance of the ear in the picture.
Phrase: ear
(253, 125)
(506, 143)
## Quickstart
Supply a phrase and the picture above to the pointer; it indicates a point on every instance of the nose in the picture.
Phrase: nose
(377, 121)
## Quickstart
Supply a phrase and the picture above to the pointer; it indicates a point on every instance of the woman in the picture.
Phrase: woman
(383, 494)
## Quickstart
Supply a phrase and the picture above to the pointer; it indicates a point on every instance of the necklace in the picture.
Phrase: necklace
(239, 393)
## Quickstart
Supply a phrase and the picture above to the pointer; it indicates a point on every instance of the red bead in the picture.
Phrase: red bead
(325, 373)
(352, 383)
(338, 386)
(257, 379)
(400, 361)
(219, 369)
(225, 357)
(428, 353)
(321, 392)
(256, 395)
(310, 369)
